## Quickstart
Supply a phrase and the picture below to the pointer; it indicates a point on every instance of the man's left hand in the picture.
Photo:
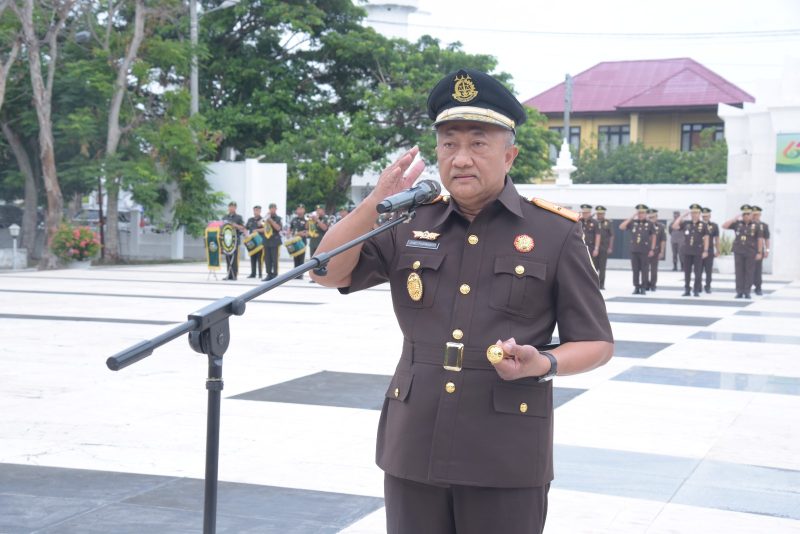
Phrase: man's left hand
(705, 254)
(520, 361)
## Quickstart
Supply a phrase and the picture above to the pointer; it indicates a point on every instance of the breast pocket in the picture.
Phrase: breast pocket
(519, 285)
(416, 279)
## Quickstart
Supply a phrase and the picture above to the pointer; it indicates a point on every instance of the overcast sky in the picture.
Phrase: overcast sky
(507, 30)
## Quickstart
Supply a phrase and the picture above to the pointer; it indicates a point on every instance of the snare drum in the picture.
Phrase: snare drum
(254, 243)
(295, 246)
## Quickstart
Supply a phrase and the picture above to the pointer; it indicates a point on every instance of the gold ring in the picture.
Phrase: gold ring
(494, 354)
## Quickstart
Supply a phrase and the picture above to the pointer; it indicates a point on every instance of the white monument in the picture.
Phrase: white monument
(564, 167)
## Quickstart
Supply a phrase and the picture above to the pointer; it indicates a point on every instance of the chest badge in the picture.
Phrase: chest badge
(426, 235)
(414, 287)
(523, 243)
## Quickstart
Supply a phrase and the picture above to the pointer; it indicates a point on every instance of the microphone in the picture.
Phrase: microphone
(422, 193)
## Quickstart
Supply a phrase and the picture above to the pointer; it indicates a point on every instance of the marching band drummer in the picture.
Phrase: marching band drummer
(236, 220)
(298, 226)
(273, 224)
(254, 224)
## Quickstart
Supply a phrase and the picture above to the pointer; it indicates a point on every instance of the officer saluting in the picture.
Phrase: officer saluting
(747, 249)
(478, 280)
(694, 248)
(643, 246)
(589, 225)
(661, 244)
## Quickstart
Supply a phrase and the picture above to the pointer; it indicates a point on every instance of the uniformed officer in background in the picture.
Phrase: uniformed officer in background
(694, 248)
(764, 229)
(237, 222)
(589, 225)
(318, 224)
(661, 247)
(643, 247)
(676, 240)
(713, 247)
(273, 226)
(254, 224)
(606, 245)
(298, 226)
(748, 246)
(478, 282)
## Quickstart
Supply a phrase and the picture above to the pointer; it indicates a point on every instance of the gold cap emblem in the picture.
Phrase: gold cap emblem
(464, 89)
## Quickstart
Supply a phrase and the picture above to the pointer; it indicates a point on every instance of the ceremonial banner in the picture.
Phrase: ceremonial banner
(212, 245)
(787, 157)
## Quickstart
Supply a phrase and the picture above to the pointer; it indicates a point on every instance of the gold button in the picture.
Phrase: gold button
(519, 269)
(396, 392)
(523, 407)
(464, 289)
(415, 265)
(457, 334)
(472, 239)
(449, 387)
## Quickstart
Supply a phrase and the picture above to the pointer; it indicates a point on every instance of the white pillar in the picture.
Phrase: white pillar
(564, 167)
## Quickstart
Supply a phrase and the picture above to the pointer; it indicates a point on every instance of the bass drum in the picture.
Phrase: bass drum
(228, 239)
(295, 246)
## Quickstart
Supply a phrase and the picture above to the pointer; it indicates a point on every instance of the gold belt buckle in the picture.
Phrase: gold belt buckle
(453, 356)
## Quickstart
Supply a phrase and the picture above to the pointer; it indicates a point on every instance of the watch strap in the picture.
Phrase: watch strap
(553, 366)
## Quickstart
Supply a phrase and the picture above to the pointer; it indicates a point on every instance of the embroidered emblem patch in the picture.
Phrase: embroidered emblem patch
(426, 235)
(523, 243)
(464, 89)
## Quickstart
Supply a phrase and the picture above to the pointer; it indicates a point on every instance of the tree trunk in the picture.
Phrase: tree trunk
(24, 164)
(42, 96)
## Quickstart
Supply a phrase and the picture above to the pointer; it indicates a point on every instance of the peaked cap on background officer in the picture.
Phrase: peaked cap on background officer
(746, 208)
(472, 95)
(706, 210)
(756, 209)
(642, 208)
(600, 209)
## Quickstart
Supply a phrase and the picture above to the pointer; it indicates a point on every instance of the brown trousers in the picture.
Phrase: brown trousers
(416, 508)
(640, 267)
(600, 263)
(745, 266)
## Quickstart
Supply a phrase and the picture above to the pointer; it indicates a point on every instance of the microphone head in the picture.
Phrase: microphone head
(433, 186)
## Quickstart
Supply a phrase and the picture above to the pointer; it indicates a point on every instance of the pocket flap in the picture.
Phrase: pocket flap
(528, 400)
(426, 261)
(518, 267)
(400, 386)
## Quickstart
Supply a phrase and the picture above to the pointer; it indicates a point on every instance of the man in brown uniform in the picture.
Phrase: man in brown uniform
(478, 281)
(747, 249)
(589, 225)
(605, 246)
(713, 247)
(764, 229)
(694, 248)
(643, 246)
(661, 247)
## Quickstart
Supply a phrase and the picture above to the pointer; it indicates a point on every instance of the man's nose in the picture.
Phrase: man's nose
(462, 158)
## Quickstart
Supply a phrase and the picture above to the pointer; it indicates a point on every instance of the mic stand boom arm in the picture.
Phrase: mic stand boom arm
(209, 334)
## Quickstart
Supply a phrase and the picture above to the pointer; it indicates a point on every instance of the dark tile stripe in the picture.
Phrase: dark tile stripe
(677, 320)
(140, 296)
(83, 319)
(786, 315)
(754, 338)
(687, 301)
(711, 380)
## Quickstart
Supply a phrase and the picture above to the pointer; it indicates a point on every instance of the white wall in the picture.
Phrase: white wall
(249, 183)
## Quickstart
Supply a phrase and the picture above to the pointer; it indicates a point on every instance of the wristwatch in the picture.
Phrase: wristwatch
(553, 367)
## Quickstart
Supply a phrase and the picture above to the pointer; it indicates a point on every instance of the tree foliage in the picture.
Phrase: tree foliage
(637, 164)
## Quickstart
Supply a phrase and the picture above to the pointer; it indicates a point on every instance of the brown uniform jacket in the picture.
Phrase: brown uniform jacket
(606, 231)
(713, 231)
(589, 231)
(747, 236)
(478, 287)
(641, 230)
(693, 234)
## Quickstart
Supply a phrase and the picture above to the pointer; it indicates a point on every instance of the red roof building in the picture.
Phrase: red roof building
(663, 103)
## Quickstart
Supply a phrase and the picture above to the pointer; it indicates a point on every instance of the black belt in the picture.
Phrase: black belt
(436, 354)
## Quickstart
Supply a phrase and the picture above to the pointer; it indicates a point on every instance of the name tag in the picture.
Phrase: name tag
(418, 243)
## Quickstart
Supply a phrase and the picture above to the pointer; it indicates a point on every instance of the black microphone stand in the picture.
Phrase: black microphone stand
(209, 334)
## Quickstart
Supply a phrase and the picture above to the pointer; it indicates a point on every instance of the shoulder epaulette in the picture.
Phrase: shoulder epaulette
(555, 208)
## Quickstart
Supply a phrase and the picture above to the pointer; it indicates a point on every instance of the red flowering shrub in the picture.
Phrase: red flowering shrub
(75, 243)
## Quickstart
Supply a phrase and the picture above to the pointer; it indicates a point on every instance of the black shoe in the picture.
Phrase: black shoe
(758, 292)
(265, 279)
(747, 295)
(708, 289)
(738, 296)
(652, 288)
(636, 291)
(696, 293)
(252, 276)
(685, 293)
(674, 269)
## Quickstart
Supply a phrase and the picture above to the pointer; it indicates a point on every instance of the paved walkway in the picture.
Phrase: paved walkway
(693, 427)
